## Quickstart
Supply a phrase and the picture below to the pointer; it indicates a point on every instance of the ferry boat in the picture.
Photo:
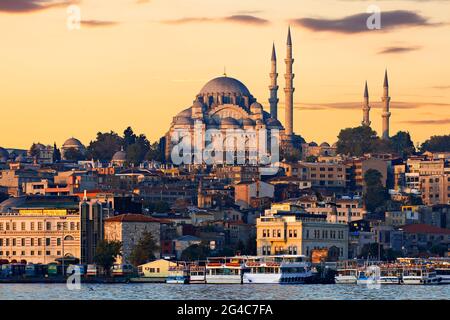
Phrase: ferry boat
(178, 274)
(347, 272)
(197, 274)
(390, 274)
(224, 270)
(419, 274)
(368, 275)
(442, 268)
(284, 269)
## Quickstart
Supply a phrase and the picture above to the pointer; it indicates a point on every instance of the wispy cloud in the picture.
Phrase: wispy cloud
(441, 87)
(26, 6)
(396, 50)
(357, 23)
(428, 122)
(98, 23)
(375, 105)
(238, 18)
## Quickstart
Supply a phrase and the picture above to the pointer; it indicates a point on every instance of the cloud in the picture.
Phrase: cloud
(357, 23)
(428, 122)
(395, 50)
(98, 23)
(238, 18)
(375, 105)
(441, 87)
(26, 6)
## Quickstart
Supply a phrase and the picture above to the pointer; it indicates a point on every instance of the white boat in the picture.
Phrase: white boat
(442, 268)
(177, 274)
(390, 274)
(419, 275)
(197, 274)
(284, 269)
(368, 276)
(224, 270)
(346, 272)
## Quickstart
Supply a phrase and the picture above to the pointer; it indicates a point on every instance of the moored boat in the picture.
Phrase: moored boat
(178, 274)
(197, 274)
(419, 274)
(224, 270)
(346, 272)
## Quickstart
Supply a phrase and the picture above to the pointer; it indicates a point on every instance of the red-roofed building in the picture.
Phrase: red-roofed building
(422, 237)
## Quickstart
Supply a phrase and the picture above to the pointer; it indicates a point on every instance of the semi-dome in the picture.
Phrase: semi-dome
(324, 145)
(73, 143)
(272, 122)
(312, 144)
(229, 122)
(119, 156)
(186, 113)
(225, 85)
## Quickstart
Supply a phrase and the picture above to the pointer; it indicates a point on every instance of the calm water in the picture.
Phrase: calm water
(221, 292)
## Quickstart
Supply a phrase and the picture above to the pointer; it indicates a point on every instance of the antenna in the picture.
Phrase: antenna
(224, 71)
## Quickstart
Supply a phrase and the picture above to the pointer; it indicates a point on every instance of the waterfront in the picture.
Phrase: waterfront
(147, 291)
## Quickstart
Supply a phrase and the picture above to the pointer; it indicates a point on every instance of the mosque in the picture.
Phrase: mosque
(226, 103)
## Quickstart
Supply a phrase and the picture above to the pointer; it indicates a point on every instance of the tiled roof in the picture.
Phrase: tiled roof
(130, 217)
(424, 228)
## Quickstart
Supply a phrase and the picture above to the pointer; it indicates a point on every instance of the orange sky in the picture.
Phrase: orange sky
(138, 64)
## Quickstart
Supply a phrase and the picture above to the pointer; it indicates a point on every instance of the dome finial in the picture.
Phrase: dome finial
(224, 71)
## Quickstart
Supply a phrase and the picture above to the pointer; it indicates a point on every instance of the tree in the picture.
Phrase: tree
(73, 154)
(196, 252)
(356, 141)
(56, 154)
(34, 150)
(134, 154)
(311, 159)
(293, 155)
(402, 144)
(154, 153)
(105, 145)
(144, 251)
(436, 144)
(107, 253)
(129, 137)
(375, 194)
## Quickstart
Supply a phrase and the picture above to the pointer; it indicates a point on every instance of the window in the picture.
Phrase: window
(23, 242)
(7, 226)
(14, 226)
(47, 241)
(40, 226)
(47, 253)
(48, 226)
(58, 241)
(31, 226)
(32, 241)
(22, 226)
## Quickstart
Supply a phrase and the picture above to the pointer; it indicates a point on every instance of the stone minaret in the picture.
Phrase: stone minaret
(273, 100)
(289, 89)
(366, 108)
(386, 114)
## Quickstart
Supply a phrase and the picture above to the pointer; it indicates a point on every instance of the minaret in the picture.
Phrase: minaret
(386, 114)
(366, 108)
(289, 89)
(273, 100)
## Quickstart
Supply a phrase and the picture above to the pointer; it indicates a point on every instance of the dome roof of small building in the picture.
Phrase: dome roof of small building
(120, 156)
(324, 144)
(73, 142)
(312, 144)
(225, 85)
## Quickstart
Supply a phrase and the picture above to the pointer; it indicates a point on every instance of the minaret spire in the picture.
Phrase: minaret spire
(289, 88)
(386, 103)
(366, 107)
(273, 88)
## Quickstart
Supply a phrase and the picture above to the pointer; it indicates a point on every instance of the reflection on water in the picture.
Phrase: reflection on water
(146, 291)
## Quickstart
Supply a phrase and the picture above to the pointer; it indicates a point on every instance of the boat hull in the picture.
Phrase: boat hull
(345, 279)
(420, 280)
(229, 279)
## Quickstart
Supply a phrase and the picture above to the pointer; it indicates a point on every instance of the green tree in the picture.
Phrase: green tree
(134, 154)
(375, 194)
(436, 144)
(73, 154)
(105, 145)
(293, 155)
(129, 137)
(145, 250)
(311, 159)
(56, 154)
(196, 252)
(356, 141)
(34, 150)
(107, 253)
(154, 153)
(402, 144)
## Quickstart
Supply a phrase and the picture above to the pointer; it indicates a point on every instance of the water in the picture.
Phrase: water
(150, 291)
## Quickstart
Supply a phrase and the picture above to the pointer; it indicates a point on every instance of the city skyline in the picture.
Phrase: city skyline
(148, 59)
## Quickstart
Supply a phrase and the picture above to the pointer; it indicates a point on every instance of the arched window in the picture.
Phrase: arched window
(68, 238)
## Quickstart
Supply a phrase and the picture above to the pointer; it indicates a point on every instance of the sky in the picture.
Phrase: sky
(138, 63)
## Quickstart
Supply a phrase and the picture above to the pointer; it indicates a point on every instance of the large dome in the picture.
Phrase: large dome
(73, 143)
(225, 85)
